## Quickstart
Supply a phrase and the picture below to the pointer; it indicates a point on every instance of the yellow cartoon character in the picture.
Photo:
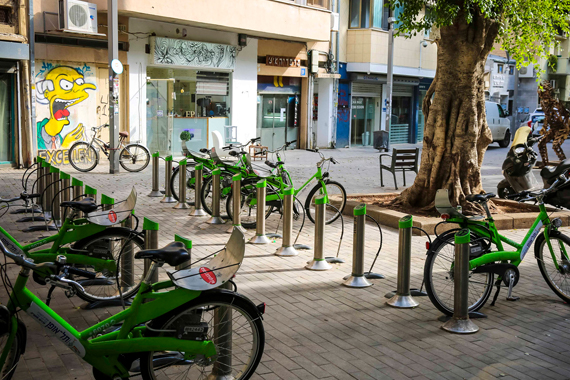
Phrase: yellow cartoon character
(62, 88)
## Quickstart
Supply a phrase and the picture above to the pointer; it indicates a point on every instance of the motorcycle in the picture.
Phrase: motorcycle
(517, 167)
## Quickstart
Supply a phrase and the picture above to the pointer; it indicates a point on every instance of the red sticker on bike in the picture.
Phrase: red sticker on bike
(112, 216)
(207, 275)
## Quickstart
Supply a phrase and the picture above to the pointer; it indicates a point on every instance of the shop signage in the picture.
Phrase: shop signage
(170, 51)
(271, 60)
(357, 103)
(328, 75)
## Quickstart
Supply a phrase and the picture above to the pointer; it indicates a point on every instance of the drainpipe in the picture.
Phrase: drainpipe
(20, 114)
(32, 75)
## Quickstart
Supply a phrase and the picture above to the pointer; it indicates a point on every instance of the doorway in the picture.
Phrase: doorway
(158, 116)
(276, 119)
(6, 124)
(363, 119)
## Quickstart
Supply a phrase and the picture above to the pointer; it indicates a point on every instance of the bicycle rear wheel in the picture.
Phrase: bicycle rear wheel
(248, 211)
(337, 198)
(439, 278)
(83, 157)
(134, 157)
(208, 189)
(230, 321)
(555, 266)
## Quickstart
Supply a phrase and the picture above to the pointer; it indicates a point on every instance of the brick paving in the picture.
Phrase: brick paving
(318, 329)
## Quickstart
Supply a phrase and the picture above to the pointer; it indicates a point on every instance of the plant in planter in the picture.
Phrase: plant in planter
(186, 135)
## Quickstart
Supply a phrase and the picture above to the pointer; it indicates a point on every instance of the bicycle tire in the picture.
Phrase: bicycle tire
(312, 194)
(192, 312)
(88, 244)
(174, 183)
(247, 190)
(207, 189)
(541, 261)
(146, 158)
(75, 154)
(7, 371)
(446, 241)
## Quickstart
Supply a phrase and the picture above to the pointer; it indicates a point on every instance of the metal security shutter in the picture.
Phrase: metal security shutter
(399, 134)
(366, 90)
(399, 90)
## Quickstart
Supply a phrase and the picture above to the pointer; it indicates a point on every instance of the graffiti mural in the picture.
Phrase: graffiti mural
(64, 106)
(169, 51)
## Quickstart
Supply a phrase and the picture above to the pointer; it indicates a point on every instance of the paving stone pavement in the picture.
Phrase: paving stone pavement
(318, 329)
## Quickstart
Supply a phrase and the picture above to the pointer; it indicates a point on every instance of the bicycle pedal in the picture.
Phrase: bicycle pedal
(513, 298)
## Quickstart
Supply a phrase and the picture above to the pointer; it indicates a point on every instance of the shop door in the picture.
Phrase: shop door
(274, 121)
(158, 118)
(401, 119)
(362, 123)
(5, 117)
(343, 116)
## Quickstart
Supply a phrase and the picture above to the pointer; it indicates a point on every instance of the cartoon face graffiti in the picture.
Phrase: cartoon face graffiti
(63, 87)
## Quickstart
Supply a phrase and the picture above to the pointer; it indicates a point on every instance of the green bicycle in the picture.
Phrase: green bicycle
(551, 250)
(91, 245)
(175, 329)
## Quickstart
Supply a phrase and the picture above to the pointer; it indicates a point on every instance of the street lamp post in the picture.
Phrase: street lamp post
(391, 21)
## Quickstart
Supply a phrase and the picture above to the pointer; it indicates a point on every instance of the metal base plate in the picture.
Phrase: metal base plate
(460, 326)
(402, 302)
(357, 282)
(472, 315)
(199, 212)
(375, 276)
(301, 246)
(155, 194)
(286, 251)
(335, 260)
(216, 220)
(273, 236)
(318, 265)
(39, 228)
(168, 200)
(32, 219)
(181, 206)
(413, 292)
(259, 239)
(213, 376)
(29, 210)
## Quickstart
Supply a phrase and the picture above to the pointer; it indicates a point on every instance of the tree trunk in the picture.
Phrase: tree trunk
(456, 133)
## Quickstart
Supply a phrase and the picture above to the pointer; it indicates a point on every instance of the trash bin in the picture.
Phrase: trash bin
(381, 140)
(365, 138)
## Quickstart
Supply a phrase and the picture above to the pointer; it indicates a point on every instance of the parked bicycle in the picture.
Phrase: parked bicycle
(84, 156)
(183, 328)
(489, 257)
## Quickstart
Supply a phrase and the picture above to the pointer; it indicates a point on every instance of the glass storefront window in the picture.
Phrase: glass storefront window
(363, 119)
(400, 119)
(421, 117)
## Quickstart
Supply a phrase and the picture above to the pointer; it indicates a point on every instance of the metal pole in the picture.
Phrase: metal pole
(236, 204)
(168, 198)
(216, 219)
(198, 175)
(127, 261)
(515, 119)
(41, 180)
(390, 76)
(260, 237)
(357, 279)
(319, 262)
(66, 189)
(188, 244)
(150, 229)
(223, 333)
(155, 182)
(106, 202)
(113, 49)
(460, 323)
(91, 193)
(45, 191)
(287, 247)
(181, 205)
(77, 191)
(403, 297)
(52, 199)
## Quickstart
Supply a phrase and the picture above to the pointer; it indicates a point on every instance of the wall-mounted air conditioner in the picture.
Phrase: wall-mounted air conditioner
(78, 16)
(526, 72)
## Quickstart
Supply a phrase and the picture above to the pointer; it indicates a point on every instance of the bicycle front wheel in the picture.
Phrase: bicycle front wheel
(337, 197)
(109, 245)
(555, 265)
(134, 157)
(439, 278)
(83, 157)
(230, 321)
(248, 210)
(9, 367)
(208, 190)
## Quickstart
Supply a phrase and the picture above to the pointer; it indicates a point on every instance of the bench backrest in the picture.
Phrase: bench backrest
(407, 158)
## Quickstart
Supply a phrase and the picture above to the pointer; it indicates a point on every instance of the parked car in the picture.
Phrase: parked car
(534, 120)
(498, 123)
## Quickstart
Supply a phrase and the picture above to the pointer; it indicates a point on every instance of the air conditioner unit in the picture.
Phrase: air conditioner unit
(526, 72)
(78, 16)
(553, 83)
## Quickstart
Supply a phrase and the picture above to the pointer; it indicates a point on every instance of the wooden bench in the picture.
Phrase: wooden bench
(402, 160)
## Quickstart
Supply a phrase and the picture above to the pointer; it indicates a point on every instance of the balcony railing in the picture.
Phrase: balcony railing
(325, 4)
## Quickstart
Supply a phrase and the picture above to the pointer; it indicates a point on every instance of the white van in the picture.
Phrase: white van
(498, 123)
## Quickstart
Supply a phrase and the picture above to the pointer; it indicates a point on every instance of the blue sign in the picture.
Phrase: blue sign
(303, 71)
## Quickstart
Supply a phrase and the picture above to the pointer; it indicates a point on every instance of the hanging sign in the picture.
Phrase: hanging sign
(271, 60)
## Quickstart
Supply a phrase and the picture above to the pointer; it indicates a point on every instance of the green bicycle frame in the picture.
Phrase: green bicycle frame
(102, 351)
(488, 230)
(70, 231)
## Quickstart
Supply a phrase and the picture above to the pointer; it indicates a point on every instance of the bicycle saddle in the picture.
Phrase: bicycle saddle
(86, 205)
(549, 172)
(479, 198)
(173, 254)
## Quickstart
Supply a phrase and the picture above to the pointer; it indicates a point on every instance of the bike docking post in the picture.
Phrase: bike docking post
(223, 333)
(155, 181)
(29, 204)
(198, 174)
(168, 198)
(260, 237)
(188, 245)
(36, 208)
(319, 262)
(357, 278)
(107, 202)
(236, 195)
(46, 197)
(216, 219)
(181, 205)
(287, 248)
(460, 322)
(65, 189)
(127, 259)
(150, 229)
(77, 189)
(91, 193)
(403, 298)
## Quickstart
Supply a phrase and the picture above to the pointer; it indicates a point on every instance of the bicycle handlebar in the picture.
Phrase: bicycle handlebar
(231, 146)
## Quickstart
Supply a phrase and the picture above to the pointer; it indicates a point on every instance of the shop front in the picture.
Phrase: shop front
(365, 110)
(422, 91)
(7, 117)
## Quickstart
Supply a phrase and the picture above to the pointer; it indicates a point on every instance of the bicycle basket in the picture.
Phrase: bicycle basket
(217, 271)
(115, 215)
(561, 197)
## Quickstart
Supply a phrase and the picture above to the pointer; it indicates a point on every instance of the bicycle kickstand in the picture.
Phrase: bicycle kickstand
(498, 285)
(511, 280)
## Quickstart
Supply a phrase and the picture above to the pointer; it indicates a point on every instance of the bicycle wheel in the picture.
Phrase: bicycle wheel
(555, 266)
(214, 313)
(175, 184)
(208, 189)
(337, 197)
(9, 367)
(107, 245)
(439, 274)
(248, 212)
(134, 157)
(83, 157)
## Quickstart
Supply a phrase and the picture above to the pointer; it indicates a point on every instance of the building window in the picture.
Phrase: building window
(5, 15)
(500, 68)
(369, 13)
(511, 70)
(319, 3)
(427, 31)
